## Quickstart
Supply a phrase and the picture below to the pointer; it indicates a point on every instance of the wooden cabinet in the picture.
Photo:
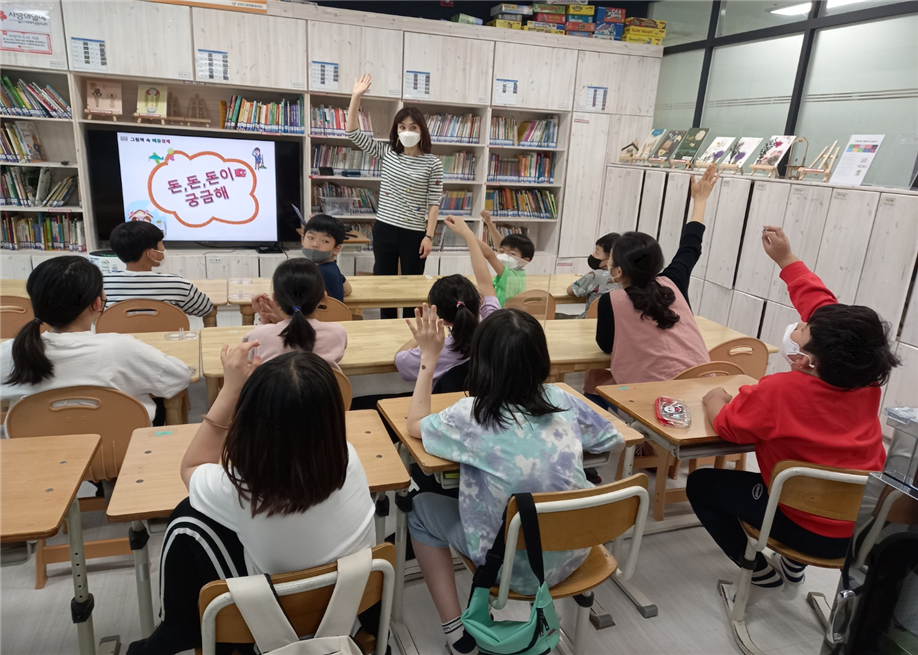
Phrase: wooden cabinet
(844, 241)
(357, 50)
(725, 242)
(745, 313)
(621, 197)
(545, 76)
(755, 269)
(804, 221)
(583, 188)
(458, 70)
(630, 83)
(265, 51)
(55, 50)
(142, 39)
(715, 303)
(651, 202)
(672, 218)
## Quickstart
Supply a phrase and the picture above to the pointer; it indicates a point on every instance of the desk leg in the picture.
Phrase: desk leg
(213, 390)
(399, 629)
(211, 319)
(379, 516)
(628, 463)
(138, 537)
(82, 604)
(175, 410)
(248, 314)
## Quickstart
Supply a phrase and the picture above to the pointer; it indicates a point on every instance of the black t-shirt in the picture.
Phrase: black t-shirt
(334, 280)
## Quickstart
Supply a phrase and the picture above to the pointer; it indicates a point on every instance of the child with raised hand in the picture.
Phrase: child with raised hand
(67, 295)
(514, 252)
(461, 304)
(823, 411)
(513, 433)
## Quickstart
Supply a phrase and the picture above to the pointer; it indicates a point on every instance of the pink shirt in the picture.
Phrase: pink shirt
(331, 340)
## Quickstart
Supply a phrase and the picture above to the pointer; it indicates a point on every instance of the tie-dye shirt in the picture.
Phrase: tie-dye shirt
(532, 454)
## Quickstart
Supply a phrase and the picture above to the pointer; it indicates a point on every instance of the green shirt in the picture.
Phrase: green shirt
(508, 284)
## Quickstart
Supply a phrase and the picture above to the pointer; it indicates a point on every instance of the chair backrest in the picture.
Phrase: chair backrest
(15, 312)
(832, 493)
(82, 410)
(347, 392)
(333, 311)
(593, 309)
(537, 303)
(709, 370)
(453, 380)
(303, 603)
(749, 354)
(140, 315)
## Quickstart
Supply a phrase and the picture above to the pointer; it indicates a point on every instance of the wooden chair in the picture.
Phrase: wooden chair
(304, 595)
(333, 311)
(593, 309)
(823, 491)
(347, 391)
(570, 520)
(537, 303)
(15, 312)
(749, 354)
(81, 410)
(139, 315)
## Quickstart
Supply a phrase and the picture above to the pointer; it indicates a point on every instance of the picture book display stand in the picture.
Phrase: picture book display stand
(734, 168)
(821, 165)
(772, 170)
(90, 113)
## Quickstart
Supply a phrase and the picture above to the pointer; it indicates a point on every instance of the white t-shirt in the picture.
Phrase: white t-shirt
(118, 361)
(339, 526)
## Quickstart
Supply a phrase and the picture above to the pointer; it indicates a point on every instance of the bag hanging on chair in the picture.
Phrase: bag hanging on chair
(256, 600)
(542, 631)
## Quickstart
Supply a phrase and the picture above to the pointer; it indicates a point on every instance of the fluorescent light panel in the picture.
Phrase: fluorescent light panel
(804, 9)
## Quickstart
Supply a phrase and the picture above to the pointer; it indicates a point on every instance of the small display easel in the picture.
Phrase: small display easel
(658, 161)
(772, 170)
(736, 169)
(687, 163)
(197, 112)
(150, 117)
(822, 165)
(90, 113)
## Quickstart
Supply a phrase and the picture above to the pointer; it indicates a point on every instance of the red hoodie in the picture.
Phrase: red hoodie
(798, 416)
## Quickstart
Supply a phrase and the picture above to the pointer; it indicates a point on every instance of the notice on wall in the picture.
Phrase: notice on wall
(213, 65)
(323, 76)
(88, 54)
(595, 98)
(25, 30)
(505, 91)
(417, 85)
(856, 159)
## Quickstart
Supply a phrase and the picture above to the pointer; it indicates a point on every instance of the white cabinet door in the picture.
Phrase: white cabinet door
(141, 39)
(725, 243)
(544, 76)
(651, 202)
(627, 84)
(675, 206)
(715, 303)
(356, 50)
(583, 190)
(232, 265)
(755, 269)
(804, 222)
(910, 324)
(844, 241)
(777, 318)
(459, 70)
(43, 50)
(266, 51)
(746, 314)
(621, 197)
(190, 267)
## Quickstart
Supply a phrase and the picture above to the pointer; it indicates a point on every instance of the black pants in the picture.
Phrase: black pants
(722, 498)
(392, 245)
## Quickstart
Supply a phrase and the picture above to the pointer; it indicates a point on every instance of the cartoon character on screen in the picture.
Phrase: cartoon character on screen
(141, 215)
(259, 159)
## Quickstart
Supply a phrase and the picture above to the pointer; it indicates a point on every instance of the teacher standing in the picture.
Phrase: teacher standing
(409, 198)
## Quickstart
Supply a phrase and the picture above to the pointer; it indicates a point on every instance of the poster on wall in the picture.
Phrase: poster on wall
(741, 150)
(716, 151)
(26, 30)
(856, 159)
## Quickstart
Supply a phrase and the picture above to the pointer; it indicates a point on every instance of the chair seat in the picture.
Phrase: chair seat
(793, 554)
(596, 569)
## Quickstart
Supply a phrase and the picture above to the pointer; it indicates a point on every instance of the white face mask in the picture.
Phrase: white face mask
(511, 262)
(409, 139)
(161, 252)
(789, 347)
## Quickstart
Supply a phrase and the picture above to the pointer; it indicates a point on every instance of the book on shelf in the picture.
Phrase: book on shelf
(521, 203)
(507, 131)
(332, 121)
(152, 100)
(284, 117)
(344, 158)
(63, 232)
(445, 240)
(103, 97)
(366, 200)
(505, 230)
(364, 230)
(30, 99)
(447, 128)
(457, 202)
(31, 187)
(459, 166)
(532, 168)
(19, 142)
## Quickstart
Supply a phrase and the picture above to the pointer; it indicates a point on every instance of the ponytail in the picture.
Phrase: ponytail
(653, 301)
(298, 290)
(60, 290)
(458, 303)
(641, 260)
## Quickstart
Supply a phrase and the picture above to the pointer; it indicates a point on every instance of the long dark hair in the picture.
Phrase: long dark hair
(414, 114)
(641, 260)
(458, 303)
(298, 290)
(278, 462)
(509, 365)
(60, 290)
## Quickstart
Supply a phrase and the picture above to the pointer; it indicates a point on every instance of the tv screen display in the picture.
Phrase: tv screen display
(195, 188)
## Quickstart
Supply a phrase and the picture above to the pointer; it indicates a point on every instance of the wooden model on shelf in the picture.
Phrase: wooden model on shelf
(822, 165)
(629, 153)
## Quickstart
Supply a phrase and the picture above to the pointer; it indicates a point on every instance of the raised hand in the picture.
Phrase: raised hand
(458, 226)
(428, 330)
(236, 365)
(362, 85)
(701, 188)
(267, 309)
(486, 216)
(777, 246)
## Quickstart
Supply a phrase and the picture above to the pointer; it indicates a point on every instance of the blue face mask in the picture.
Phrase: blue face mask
(316, 256)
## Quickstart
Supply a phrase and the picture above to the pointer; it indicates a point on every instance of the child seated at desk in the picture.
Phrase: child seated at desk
(67, 295)
(263, 496)
(598, 281)
(140, 246)
(322, 239)
(286, 320)
(513, 433)
(515, 251)
(823, 411)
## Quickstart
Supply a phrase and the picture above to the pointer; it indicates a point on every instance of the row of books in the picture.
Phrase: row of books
(446, 128)
(332, 121)
(365, 230)
(19, 142)
(458, 166)
(534, 168)
(505, 230)
(366, 200)
(520, 203)
(29, 99)
(29, 187)
(42, 232)
(456, 202)
(506, 131)
(340, 157)
(445, 240)
(284, 117)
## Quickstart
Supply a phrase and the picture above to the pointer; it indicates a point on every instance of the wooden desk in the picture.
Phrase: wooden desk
(150, 486)
(39, 479)
(187, 350)
(216, 290)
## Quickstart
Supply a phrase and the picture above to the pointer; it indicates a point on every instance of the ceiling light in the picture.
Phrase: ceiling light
(795, 10)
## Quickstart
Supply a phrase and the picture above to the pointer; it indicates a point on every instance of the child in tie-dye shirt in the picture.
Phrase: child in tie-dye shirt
(513, 434)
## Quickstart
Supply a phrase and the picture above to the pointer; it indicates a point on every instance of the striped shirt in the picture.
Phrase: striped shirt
(168, 287)
(409, 184)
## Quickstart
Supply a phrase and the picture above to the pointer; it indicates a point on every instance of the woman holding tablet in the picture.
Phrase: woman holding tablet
(409, 195)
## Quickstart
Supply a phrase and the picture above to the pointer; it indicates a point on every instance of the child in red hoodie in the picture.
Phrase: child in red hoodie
(824, 411)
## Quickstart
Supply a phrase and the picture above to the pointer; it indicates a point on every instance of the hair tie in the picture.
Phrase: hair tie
(37, 320)
(297, 308)
(459, 303)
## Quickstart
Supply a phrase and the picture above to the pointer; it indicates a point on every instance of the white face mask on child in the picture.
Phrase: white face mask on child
(511, 262)
(789, 347)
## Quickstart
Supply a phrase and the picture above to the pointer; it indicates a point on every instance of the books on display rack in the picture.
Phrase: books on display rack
(284, 117)
(332, 121)
(103, 97)
(541, 133)
(366, 200)
(31, 187)
(505, 230)
(532, 168)
(457, 202)
(19, 142)
(152, 101)
(647, 148)
(28, 99)
(344, 158)
(774, 150)
(459, 166)
(521, 203)
(690, 144)
(447, 128)
(667, 145)
(63, 232)
(741, 151)
(715, 152)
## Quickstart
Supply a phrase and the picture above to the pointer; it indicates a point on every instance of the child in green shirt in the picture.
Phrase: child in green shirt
(515, 251)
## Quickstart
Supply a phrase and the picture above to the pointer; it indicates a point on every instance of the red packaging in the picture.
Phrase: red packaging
(550, 18)
(672, 411)
(646, 22)
(580, 27)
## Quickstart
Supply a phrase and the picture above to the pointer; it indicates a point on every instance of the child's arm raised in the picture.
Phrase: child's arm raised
(429, 332)
(487, 250)
(479, 265)
(807, 291)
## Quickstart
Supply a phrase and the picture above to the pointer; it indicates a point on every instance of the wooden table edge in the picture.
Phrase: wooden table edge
(440, 468)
